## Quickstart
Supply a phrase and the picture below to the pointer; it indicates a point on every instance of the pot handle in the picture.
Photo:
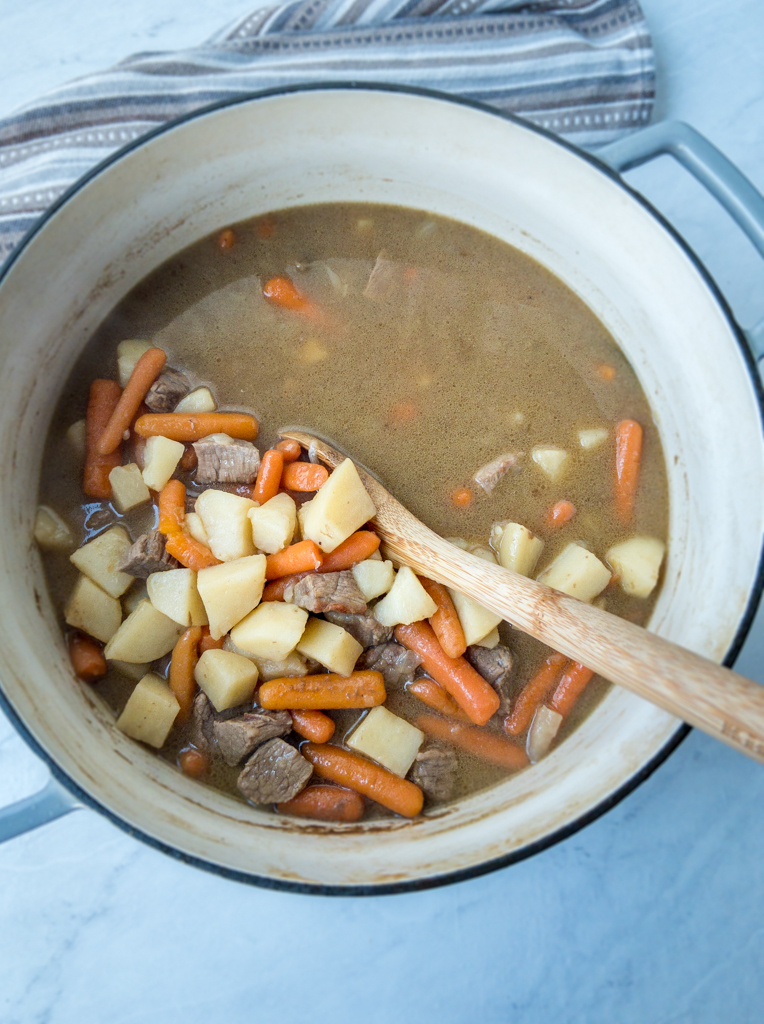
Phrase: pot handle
(51, 802)
(711, 168)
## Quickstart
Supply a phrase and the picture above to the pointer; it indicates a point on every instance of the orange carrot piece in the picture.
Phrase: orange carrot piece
(434, 696)
(313, 725)
(605, 370)
(226, 239)
(190, 552)
(172, 507)
(533, 694)
(570, 688)
(103, 400)
(274, 591)
(325, 803)
(208, 642)
(445, 622)
(560, 513)
(290, 449)
(266, 227)
(300, 557)
(303, 476)
(268, 476)
(461, 497)
(402, 412)
(325, 692)
(480, 742)
(468, 688)
(145, 372)
(350, 769)
(87, 658)
(182, 665)
(193, 762)
(628, 454)
(191, 426)
(281, 291)
(356, 548)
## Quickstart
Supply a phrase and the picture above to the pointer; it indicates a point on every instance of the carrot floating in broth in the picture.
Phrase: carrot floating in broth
(606, 371)
(145, 372)
(87, 658)
(274, 591)
(312, 724)
(560, 513)
(445, 622)
(192, 426)
(350, 769)
(193, 762)
(480, 742)
(461, 497)
(182, 665)
(533, 694)
(356, 548)
(281, 291)
(628, 456)
(289, 449)
(325, 803)
(570, 687)
(190, 552)
(226, 239)
(103, 400)
(172, 508)
(268, 476)
(300, 557)
(303, 476)
(434, 696)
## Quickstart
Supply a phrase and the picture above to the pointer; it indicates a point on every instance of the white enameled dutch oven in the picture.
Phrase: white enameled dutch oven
(571, 213)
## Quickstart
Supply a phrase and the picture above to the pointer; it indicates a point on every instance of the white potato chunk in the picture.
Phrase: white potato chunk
(198, 400)
(224, 517)
(50, 530)
(330, 645)
(577, 572)
(160, 459)
(341, 506)
(230, 591)
(491, 639)
(590, 439)
(293, 665)
(174, 593)
(273, 524)
(373, 577)
(75, 437)
(551, 462)
(195, 528)
(406, 601)
(477, 621)
(128, 354)
(99, 558)
(228, 679)
(271, 631)
(543, 730)
(135, 672)
(128, 488)
(134, 596)
(637, 562)
(145, 635)
(150, 711)
(518, 548)
(93, 610)
(387, 739)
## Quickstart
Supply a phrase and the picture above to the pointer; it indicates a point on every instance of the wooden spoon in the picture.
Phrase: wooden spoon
(720, 702)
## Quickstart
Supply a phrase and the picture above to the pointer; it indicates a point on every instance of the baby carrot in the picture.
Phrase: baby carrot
(190, 552)
(290, 449)
(560, 513)
(445, 622)
(325, 803)
(172, 507)
(268, 476)
(324, 692)
(226, 239)
(350, 769)
(480, 742)
(145, 372)
(208, 642)
(468, 688)
(534, 693)
(313, 725)
(358, 546)
(191, 426)
(87, 657)
(570, 688)
(282, 292)
(274, 591)
(103, 399)
(193, 762)
(435, 697)
(628, 454)
(182, 665)
(300, 557)
(303, 476)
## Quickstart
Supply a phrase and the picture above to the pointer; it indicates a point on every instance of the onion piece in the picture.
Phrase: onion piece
(543, 730)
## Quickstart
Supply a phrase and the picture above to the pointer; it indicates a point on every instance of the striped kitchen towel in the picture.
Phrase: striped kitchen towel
(582, 68)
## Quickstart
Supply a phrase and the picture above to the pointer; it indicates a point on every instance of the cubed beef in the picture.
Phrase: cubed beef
(238, 737)
(365, 628)
(397, 664)
(495, 666)
(226, 460)
(489, 475)
(434, 771)
(147, 555)
(167, 390)
(202, 722)
(274, 773)
(327, 592)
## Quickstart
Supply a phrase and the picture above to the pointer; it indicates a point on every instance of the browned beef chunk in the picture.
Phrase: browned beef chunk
(397, 664)
(274, 773)
(434, 771)
(495, 666)
(238, 737)
(327, 592)
(167, 390)
(202, 722)
(147, 555)
(490, 474)
(365, 628)
(231, 461)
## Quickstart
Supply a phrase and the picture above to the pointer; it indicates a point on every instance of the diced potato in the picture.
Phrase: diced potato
(99, 558)
(75, 436)
(230, 591)
(50, 530)
(273, 523)
(491, 639)
(198, 400)
(145, 635)
(128, 487)
(174, 593)
(271, 631)
(482, 551)
(134, 596)
(594, 438)
(293, 665)
(128, 354)
(312, 351)
(135, 672)
(228, 679)
(543, 730)
(551, 462)
(195, 528)
(373, 577)
(384, 737)
(160, 459)
(224, 517)
(330, 645)
(341, 506)
(519, 549)
(150, 711)
(407, 601)
(477, 621)
(637, 562)
(93, 610)
(577, 572)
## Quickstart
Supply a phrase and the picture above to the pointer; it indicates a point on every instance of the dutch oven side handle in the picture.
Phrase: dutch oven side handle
(711, 168)
(51, 802)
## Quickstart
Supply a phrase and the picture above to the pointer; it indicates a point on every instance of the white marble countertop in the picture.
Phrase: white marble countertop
(652, 915)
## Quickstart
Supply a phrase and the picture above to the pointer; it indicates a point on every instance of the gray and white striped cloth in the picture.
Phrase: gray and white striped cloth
(582, 68)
